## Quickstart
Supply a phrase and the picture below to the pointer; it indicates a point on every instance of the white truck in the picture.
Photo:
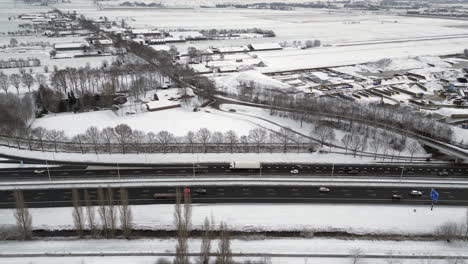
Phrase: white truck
(245, 165)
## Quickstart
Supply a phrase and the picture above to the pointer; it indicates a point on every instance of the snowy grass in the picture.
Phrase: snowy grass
(359, 219)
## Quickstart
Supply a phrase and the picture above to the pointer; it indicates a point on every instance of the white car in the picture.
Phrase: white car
(294, 171)
(324, 189)
(39, 171)
(416, 193)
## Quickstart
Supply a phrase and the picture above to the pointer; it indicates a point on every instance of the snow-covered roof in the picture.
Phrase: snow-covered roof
(233, 49)
(266, 46)
(145, 31)
(161, 104)
(161, 47)
(104, 41)
(70, 45)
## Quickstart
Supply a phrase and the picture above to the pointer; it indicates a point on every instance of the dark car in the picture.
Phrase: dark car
(352, 172)
(397, 197)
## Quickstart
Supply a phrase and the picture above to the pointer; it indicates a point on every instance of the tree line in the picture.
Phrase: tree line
(387, 117)
(104, 213)
(123, 139)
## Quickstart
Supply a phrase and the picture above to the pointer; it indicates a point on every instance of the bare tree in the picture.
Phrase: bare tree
(284, 137)
(107, 135)
(356, 255)
(28, 80)
(466, 226)
(207, 236)
(55, 136)
(325, 133)
(203, 136)
(346, 140)
(231, 139)
(164, 139)
(15, 80)
(111, 213)
(375, 145)
(218, 139)
(182, 220)
(190, 139)
(126, 218)
(413, 147)
(90, 214)
(22, 216)
(123, 134)
(224, 246)
(356, 144)
(448, 231)
(103, 211)
(40, 133)
(78, 218)
(258, 136)
(92, 135)
(4, 82)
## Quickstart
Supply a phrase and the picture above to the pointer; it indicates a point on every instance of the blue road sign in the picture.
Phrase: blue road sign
(434, 195)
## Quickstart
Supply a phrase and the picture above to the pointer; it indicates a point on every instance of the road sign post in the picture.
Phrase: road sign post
(434, 197)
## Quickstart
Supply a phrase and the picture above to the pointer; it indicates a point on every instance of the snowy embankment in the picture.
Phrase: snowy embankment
(188, 157)
(357, 219)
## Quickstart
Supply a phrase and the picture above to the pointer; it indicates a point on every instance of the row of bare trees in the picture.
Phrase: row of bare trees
(302, 107)
(123, 139)
(182, 222)
(16, 80)
(111, 216)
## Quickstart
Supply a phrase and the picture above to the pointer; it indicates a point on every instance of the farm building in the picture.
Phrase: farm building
(74, 46)
(265, 46)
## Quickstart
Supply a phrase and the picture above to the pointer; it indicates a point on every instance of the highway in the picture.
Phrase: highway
(222, 169)
(252, 194)
(242, 193)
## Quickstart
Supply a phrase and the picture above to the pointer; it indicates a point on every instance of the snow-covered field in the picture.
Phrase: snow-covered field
(281, 246)
(359, 219)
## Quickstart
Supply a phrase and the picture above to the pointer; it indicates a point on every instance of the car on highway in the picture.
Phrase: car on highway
(397, 197)
(324, 189)
(164, 196)
(416, 193)
(39, 171)
(294, 171)
(200, 191)
(352, 172)
(442, 173)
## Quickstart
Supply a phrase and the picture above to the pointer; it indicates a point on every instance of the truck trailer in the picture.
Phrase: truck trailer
(245, 165)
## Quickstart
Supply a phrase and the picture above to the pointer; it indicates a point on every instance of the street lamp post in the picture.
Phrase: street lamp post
(48, 172)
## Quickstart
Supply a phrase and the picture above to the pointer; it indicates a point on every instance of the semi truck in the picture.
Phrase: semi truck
(245, 165)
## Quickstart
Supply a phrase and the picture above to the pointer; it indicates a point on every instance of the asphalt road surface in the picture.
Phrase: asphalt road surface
(222, 169)
(251, 194)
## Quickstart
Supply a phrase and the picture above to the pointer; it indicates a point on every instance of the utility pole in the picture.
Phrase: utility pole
(402, 170)
(48, 172)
